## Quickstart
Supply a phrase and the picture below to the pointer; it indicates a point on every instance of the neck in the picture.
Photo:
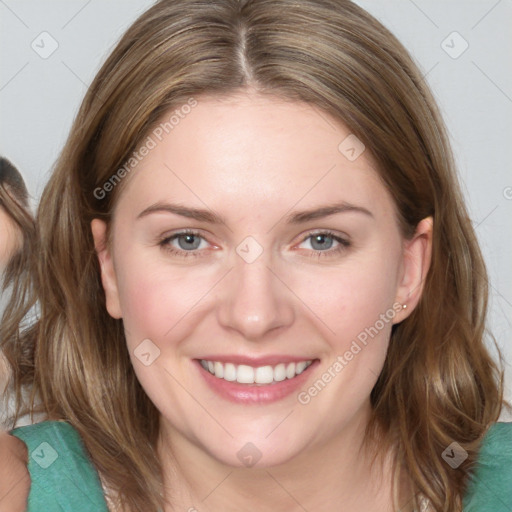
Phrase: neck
(321, 477)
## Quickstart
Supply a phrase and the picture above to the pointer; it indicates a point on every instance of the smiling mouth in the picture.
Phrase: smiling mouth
(261, 375)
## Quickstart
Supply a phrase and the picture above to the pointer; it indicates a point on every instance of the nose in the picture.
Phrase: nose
(254, 301)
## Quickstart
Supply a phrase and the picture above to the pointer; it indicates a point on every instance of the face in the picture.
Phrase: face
(248, 244)
(9, 239)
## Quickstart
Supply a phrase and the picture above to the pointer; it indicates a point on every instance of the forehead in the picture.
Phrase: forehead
(253, 151)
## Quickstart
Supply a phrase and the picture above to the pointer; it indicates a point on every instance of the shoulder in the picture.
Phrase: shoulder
(491, 481)
(60, 468)
(14, 475)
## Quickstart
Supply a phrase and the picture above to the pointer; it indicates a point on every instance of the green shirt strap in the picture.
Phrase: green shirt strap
(62, 474)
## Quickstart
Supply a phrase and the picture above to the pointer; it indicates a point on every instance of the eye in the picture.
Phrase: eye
(325, 243)
(190, 243)
(185, 243)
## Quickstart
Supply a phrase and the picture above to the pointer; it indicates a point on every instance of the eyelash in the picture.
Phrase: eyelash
(343, 244)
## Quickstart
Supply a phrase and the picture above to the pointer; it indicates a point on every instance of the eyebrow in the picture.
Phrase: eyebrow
(209, 216)
(325, 211)
(184, 211)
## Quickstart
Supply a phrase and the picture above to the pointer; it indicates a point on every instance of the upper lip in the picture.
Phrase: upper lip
(256, 361)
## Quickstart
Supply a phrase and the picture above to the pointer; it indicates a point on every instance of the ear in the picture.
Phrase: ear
(417, 255)
(108, 275)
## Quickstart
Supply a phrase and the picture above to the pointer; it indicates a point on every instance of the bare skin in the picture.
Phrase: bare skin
(9, 238)
(14, 476)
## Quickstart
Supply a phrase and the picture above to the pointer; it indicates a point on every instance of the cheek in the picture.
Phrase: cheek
(349, 298)
(355, 306)
(156, 298)
(8, 241)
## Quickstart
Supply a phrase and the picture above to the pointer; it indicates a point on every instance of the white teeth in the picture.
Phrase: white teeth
(219, 370)
(300, 367)
(279, 372)
(230, 372)
(264, 375)
(290, 371)
(245, 374)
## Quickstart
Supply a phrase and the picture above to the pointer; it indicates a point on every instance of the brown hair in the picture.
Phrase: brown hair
(438, 384)
(14, 200)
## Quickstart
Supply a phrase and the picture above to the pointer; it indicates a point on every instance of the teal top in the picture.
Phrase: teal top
(62, 474)
(64, 478)
(490, 489)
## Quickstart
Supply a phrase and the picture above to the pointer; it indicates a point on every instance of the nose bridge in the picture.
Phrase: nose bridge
(254, 301)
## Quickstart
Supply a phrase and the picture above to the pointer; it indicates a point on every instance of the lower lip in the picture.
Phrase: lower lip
(254, 394)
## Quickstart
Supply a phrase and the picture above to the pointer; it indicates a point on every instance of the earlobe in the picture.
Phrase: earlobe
(108, 276)
(416, 263)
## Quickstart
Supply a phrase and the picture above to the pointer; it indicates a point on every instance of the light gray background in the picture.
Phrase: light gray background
(40, 96)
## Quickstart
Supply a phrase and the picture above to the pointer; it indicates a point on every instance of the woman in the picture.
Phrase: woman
(258, 278)
(16, 227)
(16, 232)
